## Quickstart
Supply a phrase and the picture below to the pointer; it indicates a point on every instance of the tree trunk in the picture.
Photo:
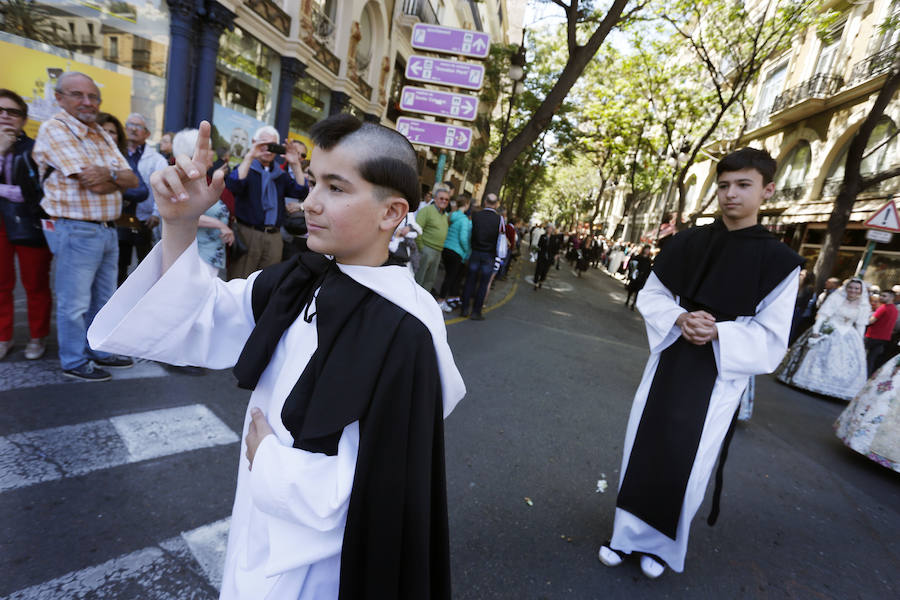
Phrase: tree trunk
(853, 183)
(579, 56)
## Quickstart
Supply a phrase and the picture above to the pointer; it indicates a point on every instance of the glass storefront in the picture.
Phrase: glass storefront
(884, 267)
(309, 105)
(247, 73)
(123, 46)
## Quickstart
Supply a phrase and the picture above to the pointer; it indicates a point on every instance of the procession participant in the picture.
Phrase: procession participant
(638, 271)
(718, 309)
(341, 488)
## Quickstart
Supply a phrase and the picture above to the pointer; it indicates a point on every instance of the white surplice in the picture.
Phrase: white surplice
(747, 346)
(289, 512)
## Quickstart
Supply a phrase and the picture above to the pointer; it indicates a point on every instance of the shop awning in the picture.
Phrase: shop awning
(820, 211)
(650, 234)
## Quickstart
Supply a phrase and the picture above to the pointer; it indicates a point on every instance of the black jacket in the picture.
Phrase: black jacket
(485, 229)
(24, 170)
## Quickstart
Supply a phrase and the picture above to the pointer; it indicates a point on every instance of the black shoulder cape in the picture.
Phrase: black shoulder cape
(725, 272)
(375, 363)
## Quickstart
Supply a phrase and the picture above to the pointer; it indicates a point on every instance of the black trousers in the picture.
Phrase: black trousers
(453, 263)
(877, 353)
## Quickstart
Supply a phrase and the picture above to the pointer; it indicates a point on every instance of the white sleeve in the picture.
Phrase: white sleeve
(182, 317)
(293, 488)
(660, 310)
(756, 345)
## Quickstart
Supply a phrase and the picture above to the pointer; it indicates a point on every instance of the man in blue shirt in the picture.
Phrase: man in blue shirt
(260, 186)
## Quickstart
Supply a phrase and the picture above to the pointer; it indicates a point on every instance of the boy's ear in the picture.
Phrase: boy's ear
(395, 209)
(768, 190)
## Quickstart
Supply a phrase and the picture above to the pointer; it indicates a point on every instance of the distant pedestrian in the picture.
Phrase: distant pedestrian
(878, 334)
(486, 228)
(545, 257)
(457, 248)
(148, 161)
(638, 271)
(434, 221)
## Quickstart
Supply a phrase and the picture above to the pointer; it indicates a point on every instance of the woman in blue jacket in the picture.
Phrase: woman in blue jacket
(457, 248)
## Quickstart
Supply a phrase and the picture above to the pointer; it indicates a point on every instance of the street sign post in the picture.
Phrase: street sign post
(449, 40)
(445, 72)
(881, 227)
(440, 135)
(439, 104)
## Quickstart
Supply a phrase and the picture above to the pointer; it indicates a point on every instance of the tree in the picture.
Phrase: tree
(731, 41)
(29, 20)
(581, 18)
(854, 182)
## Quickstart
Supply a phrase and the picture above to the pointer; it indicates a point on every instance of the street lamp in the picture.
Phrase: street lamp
(516, 74)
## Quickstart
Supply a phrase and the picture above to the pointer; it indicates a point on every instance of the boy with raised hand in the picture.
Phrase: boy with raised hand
(717, 308)
(341, 488)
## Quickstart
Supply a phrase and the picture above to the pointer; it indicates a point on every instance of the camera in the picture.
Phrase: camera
(276, 148)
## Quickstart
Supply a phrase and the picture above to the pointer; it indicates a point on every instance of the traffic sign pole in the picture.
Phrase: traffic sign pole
(867, 258)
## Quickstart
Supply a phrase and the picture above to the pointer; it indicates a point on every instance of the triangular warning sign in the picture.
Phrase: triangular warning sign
(885, 219)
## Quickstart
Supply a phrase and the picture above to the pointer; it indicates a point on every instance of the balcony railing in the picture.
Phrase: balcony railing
(323, 28)
(421, 9)
(876, 64)
(820, 86)
(758, 119)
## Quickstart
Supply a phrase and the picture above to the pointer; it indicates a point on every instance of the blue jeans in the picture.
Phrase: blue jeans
(87, 256)
(481, 265)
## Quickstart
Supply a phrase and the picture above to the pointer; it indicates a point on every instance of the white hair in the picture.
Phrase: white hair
(184, 142)
(266, 129)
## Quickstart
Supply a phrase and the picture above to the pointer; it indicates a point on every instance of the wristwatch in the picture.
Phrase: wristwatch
(113, 174)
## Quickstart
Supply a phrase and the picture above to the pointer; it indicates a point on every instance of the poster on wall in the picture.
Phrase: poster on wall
(233, 130)
(33, 74)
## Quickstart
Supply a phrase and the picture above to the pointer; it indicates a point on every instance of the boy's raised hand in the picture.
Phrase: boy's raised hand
(181, 191)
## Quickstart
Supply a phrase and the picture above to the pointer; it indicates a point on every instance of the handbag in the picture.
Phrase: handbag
(23, 223)
(502, 242)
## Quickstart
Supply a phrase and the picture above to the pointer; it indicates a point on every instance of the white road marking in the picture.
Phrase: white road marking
(47, 454)
(163, 572)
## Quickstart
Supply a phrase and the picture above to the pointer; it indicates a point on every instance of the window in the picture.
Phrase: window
(772, 87)
(113, 49)
(891, 36)
(244, 75)
(831, 43)
(310, 104)
(364, 48)
(792, 171)
(880, 152)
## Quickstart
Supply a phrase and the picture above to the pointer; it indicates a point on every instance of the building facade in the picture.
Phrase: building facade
(238, 64)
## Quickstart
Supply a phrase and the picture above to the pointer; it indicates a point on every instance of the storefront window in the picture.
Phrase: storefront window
(123, 46)
(246, 75)
(309, 106)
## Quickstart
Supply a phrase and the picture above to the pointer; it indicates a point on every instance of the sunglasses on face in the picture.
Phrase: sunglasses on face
(13, 112)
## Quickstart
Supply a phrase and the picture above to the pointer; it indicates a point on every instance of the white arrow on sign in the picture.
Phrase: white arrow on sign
(416, 68)
(478, 44)
(468, 107)
(461, 138)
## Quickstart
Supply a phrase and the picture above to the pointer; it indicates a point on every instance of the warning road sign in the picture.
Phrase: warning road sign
(885, 218)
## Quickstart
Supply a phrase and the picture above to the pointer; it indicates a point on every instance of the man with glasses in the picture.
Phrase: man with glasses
(145, 161)
(84, 175)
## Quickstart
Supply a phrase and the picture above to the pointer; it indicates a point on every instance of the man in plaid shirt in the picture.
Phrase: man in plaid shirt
(84, 175)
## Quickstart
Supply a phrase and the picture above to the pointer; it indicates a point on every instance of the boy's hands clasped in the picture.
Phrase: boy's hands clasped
(698, 327)
(181, 191)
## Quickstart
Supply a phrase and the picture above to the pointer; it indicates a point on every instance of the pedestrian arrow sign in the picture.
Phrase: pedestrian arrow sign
(885, 219)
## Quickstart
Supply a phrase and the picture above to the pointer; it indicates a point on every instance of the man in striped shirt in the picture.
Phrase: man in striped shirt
(84, 175)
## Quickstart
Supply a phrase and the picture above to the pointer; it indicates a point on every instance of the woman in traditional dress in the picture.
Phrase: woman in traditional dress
(830, 358)
(871, 422)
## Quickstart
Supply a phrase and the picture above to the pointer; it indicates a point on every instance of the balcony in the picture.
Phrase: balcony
(416, 11)
(323, 28)
(272, 13)
(807, 98)
(875, 65)
(758, 119)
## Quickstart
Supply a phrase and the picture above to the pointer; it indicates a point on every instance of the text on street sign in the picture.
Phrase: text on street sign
(450, 40)
(440, 135)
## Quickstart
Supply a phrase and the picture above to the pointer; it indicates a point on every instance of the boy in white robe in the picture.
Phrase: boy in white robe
(341, 489)
(718, 310)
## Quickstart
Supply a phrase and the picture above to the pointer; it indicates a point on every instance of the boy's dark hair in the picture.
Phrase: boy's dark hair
(749, 158)
(5, 93)
(386, 158)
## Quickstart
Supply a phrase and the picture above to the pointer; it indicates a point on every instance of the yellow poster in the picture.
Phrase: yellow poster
(305, 140)
(32, 74)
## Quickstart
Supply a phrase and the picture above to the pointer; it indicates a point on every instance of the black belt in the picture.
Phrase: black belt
(110, 224)
(263, 228)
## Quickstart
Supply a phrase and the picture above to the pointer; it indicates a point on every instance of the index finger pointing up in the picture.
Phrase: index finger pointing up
(201, 148)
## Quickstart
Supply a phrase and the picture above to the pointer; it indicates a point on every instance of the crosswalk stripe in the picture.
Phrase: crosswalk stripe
(43, 455)
(154, 572)
(17, 374)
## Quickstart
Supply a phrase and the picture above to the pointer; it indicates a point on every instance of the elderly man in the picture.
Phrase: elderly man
(84, 177)
(435, 222)
(260, 186)
(144, 160)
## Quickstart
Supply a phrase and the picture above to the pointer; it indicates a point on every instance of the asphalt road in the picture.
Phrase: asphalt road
(550, 374)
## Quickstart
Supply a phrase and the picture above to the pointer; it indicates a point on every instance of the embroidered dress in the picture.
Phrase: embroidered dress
(871, 422)
(209, 239)
(830, 358)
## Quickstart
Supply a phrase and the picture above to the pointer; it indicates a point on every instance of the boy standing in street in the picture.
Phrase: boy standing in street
(717, 308)
(341, 490)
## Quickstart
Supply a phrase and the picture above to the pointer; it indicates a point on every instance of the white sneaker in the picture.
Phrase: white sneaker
(651, 568)
(609, 557)
(35, 348)
(4, 348)
(446, 307)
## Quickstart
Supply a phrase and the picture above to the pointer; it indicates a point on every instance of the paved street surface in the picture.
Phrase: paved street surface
(122, 490)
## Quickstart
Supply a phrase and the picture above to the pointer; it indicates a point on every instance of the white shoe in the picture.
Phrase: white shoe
(35, 348)
(609, 557)
(446, 307)
(651, 568)
(4, 348)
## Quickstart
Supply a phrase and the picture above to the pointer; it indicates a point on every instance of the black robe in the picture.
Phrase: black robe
(376, 364)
